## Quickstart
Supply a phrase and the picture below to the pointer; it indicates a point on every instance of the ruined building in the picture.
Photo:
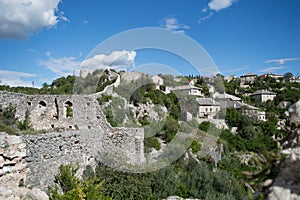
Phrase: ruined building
(85, 137)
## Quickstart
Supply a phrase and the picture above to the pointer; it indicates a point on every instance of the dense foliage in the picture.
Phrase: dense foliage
(188, 179)
(75, 189)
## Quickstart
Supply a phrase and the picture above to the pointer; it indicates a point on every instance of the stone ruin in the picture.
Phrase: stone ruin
(84, 136)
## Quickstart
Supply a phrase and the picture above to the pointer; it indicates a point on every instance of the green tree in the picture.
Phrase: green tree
(75, 189)
(288, 75)
(165, 182)
(170, 129)
(204, 126)
(233, 117)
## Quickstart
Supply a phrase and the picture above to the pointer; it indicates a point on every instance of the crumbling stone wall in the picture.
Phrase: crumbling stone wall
(87, 137)
(49, 112)
(45, 153)
(13, 170)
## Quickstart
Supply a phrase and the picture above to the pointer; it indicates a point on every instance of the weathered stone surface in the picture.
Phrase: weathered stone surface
(84, 138)
(287, 183)
(11, 190)
(294, 112)
(13, 140)
(267, 183)
(279, 193)
(1, 161)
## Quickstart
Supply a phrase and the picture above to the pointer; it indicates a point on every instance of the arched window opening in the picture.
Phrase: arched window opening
(69, 109)
(42, 104)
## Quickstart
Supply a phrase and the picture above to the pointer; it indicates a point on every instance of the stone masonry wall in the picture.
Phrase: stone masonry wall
(49, 112)
(87, 137)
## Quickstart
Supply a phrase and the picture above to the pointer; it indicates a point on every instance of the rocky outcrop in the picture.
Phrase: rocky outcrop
(294, 112)
(13, 170)
(287, 183)
(12, 154)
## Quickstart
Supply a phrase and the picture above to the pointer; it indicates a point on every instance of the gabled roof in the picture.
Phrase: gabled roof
(247, 106)
(248, 74)
(207, 102)
(185, 87)
(237, 105)
(263, 91)
(226, 96)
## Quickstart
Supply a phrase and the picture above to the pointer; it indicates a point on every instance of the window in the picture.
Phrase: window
(69, 109)
(42, 104)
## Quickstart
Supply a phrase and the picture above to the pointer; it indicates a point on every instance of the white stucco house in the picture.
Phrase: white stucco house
(251, 111)
(248, 78)
(208, 108)
(157, 80)
(187, 90)
(263, 95)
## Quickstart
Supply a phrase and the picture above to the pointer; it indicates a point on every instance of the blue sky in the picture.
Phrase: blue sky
(43, 40)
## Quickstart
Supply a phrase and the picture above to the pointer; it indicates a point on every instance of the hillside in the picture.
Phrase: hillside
(188, 152)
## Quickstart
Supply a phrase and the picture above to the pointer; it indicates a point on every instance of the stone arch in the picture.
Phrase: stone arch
(42, 106)
(69, 109)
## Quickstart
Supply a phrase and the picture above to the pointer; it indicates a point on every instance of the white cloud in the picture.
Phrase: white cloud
(63, 17)
(173, 24)
(61, 66)
(205, 17)
(13, 78)
(215, 6)
(281, 61)
(218, 5)
(48, 53)
(237, 69)
(85, 21)
(20, 18)
(272, 69)
(204, 10)
(32, 50)
(116, 60)
(68, 65)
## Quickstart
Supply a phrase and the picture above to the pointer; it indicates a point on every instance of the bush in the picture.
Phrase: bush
(144, 120)
(7, 129)
(104, 98)
(204, 126)
(151, 142)
(109, 117)
(123, 185)
(66, 177)
(69, 112)
(7, 116)
(195, 146)
(170, 129)
(73, 188)
(25, 125)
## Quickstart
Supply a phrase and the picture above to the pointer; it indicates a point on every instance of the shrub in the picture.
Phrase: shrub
(204, 126)
(104, 98)
(7, 129)
(195, 146)
(7, 116)
(151, 143)
(73, 188)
